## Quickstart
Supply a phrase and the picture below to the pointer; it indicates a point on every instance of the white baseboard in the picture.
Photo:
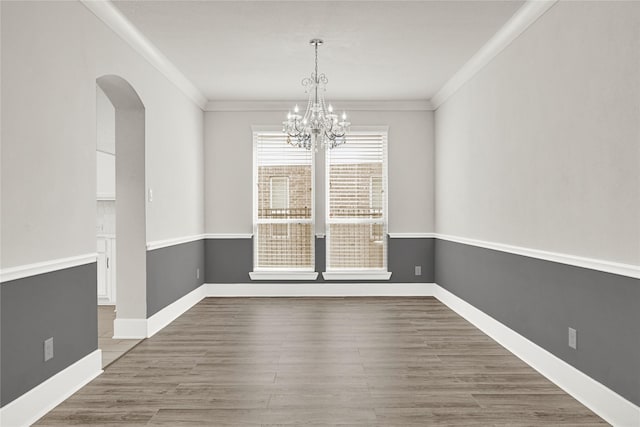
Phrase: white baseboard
(127, 329)
(146, 328)
(609, 405)
(35, 403)
(174, 310)
(612, 407)
(319, 289)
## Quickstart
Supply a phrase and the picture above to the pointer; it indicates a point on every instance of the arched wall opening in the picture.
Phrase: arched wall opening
(130, 206)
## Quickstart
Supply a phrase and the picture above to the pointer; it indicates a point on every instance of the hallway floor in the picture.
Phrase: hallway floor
(321, 361)
(111, 348)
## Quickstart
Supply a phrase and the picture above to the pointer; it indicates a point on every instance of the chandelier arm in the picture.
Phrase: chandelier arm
(294, 126)
(319, 126)
(330, 127)
(301, 133)
(297, 129)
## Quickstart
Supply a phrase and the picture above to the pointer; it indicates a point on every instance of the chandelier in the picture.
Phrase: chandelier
(319, 127)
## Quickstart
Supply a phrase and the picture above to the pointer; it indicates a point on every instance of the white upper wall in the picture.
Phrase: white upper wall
(229, 168)
(540, 149)
(52, 53)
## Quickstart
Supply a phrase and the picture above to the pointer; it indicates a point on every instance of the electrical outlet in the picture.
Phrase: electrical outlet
(48, 349)
(573, 338)
(197, 273)
(418, 270)
(150, 195)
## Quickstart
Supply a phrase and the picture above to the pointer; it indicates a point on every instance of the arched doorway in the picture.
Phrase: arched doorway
(130, 207)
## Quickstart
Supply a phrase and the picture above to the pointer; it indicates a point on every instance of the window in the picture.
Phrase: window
(283, 207)
(279, 203)
(357, 204)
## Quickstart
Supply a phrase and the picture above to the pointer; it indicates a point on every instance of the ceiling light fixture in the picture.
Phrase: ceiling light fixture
(320, 127)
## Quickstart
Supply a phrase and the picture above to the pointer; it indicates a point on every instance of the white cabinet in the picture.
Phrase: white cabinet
(106, 270)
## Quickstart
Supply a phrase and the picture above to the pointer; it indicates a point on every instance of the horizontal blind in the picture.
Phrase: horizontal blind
(273, 150)
(283, 224)
(356, 201)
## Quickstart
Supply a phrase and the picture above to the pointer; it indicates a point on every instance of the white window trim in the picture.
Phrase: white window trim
(290, 273)
(361, 274)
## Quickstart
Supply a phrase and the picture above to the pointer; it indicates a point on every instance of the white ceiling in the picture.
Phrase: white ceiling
(374, 50)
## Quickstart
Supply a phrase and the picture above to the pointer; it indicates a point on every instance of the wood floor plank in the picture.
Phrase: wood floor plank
(320, 361)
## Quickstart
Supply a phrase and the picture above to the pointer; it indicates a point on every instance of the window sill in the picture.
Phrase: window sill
(283, 275)
(356, 275)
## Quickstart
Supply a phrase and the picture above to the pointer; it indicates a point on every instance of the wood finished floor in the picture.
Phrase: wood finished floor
(111, 348)
(321, 361)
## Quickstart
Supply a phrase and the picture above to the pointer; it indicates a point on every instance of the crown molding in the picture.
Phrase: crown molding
(114, 19)
(516, 25)
(247, 106)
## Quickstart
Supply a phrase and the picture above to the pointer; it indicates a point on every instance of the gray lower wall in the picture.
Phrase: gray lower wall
(172, 273)
(536, 298)
(228, 260)
(541, 299)
(231, 260)
(60, 304)
(404, 254)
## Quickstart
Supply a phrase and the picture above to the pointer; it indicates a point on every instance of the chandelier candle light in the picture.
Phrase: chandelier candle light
(320, 126)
